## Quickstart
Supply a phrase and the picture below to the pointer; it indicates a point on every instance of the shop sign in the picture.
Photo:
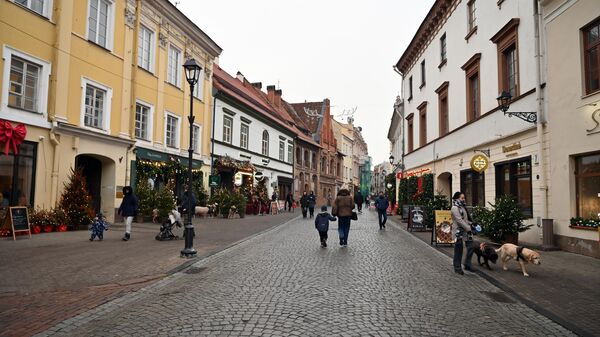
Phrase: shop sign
(214, 180)
(511, 147)
(237, 179)
(443, 227)
(479, 163)
(258, 176)
(596, 120)
(412, 173)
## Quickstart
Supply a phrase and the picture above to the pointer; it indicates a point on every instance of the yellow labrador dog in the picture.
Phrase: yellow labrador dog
(522, 255)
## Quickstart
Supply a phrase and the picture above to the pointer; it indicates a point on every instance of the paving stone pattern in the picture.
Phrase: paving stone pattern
(282, 283)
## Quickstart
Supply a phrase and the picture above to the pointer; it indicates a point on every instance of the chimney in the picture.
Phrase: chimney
(257, 85)
(240, 76)
(278, 98)
(271, 93)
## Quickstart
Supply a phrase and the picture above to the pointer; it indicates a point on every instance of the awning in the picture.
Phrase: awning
(142, 153)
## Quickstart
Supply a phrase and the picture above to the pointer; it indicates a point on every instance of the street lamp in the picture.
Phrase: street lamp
(192, 74)
(392, 159)
(504, 103)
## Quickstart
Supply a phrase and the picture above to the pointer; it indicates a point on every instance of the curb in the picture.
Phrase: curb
(495, 282)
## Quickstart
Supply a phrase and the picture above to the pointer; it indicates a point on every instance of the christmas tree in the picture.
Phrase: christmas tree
(146, 196)
(76, 201)
(165, 201)
(261, 191)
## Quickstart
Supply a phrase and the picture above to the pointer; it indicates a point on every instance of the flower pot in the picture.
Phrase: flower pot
(48, 228)
(511, 238)
(36, 229)
(61, 228)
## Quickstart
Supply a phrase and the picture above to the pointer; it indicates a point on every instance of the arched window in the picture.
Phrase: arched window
(265, 143)
(306, 159)
(314, 161)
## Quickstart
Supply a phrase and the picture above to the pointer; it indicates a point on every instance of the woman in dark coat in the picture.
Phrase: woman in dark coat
(304, 204)
(128, 209)
(342, 208)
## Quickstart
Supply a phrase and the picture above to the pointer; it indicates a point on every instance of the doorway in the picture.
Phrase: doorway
(92, 172)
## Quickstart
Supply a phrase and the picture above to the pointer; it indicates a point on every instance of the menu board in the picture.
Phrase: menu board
(19, 220)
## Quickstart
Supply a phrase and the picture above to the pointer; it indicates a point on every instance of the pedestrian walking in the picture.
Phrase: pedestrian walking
(322, 224)
(128, 209)
(381, 204)
(342, 208)
(461, 227)
(359, 200)
(304, 204)
(312, 201)
(289, 200)
(183, 207)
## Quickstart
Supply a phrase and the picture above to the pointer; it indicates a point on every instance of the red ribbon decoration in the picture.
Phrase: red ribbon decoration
(12, 137)
(420, 185)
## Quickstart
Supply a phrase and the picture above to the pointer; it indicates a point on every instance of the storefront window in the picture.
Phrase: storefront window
(473, 186)
(514, 178)
(17, 176)
(588, 186)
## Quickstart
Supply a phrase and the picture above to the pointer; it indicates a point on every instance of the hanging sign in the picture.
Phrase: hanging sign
(11, 138)
(596, 120)
(408, 174)
(258, 176)
(237, 179)
(214, 180)
(479, 163)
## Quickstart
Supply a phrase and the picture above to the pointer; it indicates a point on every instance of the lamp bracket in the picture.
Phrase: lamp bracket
(530, 117)
(484, 151)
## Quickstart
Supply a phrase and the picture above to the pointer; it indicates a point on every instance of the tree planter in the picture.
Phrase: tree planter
(61, 228)
(48, 228)
(36, 229)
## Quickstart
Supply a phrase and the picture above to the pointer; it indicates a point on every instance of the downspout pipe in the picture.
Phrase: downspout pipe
(212, 136)
(541, 123)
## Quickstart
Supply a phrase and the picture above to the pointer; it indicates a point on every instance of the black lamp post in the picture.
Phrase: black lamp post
(192, 74)
(504, 103)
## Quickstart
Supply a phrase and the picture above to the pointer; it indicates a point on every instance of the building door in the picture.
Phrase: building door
(92, 171)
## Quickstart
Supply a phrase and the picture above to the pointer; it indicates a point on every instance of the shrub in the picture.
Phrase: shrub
(505, 217)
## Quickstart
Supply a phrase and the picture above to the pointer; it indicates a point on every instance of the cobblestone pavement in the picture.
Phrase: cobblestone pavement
(282, 283)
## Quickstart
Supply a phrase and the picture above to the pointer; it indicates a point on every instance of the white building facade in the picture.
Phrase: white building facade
(464, 54)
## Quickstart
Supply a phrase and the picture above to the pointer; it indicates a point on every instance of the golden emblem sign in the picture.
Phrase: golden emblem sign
(479, 163)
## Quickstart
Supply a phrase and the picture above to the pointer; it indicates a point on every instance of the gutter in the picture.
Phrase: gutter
(540, 125)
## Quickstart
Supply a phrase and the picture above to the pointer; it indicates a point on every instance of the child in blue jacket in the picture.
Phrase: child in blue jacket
(322, 224)
(98, 226)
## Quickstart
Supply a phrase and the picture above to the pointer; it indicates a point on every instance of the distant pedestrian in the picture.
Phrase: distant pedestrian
(304, 204)
(289, 200)
(312, 201)
(274, 196)
(381, 204)
(359, 200)
(461, 227)
(128, 209)
(98, 226)
(322, 224)
(183, 208)
(342, 208)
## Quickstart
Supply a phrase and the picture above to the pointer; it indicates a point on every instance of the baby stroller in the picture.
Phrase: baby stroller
(166, 229)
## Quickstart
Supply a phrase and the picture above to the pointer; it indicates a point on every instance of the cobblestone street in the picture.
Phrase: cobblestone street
(282, 283)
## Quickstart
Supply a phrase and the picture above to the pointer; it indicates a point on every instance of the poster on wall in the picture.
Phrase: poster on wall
(443, 228)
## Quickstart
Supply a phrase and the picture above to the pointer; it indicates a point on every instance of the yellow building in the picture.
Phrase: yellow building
(98, 84)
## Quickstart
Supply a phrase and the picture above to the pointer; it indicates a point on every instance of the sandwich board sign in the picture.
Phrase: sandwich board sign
(443, 228)
(19, 220)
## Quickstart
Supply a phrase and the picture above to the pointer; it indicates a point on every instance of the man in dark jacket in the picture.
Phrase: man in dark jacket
(289, 201)
(382, 203)
(359, 200)
(128, 209)
(312, 201)
(304, 204)
(185, 202)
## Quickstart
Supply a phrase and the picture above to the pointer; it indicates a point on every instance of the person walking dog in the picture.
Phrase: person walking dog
(128, 209)
(381, 204)
(461, 227)
(342, 208)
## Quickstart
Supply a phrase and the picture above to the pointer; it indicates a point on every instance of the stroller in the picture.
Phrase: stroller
(166, 229)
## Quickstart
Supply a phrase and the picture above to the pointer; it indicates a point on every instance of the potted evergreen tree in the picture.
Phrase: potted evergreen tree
(503, 221)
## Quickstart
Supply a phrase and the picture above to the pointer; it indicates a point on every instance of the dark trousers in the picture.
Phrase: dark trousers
(344, 228)
(382, 217)
(323, 236)
(304, 211)
(311, 210)
(289, 206)
(359, 206)
(458, 253)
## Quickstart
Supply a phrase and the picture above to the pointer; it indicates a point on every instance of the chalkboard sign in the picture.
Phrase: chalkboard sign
(19, 220)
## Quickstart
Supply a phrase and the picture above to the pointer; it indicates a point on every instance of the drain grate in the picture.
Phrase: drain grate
(499, 297)
(194, 270)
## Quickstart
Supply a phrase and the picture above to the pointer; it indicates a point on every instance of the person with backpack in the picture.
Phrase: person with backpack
(381, 204)
(322, 224)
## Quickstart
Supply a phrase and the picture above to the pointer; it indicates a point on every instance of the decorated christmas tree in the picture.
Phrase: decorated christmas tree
(76, 201)
(261, 191)
(146, 196)
(165, 201)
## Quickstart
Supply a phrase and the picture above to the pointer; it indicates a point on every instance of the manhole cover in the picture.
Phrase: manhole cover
(194, 270)
(499, 297)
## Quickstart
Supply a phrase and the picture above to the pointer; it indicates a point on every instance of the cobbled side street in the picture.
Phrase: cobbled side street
(282, 283)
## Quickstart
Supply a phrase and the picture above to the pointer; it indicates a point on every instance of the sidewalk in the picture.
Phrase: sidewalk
(565, 287)
(54, 276)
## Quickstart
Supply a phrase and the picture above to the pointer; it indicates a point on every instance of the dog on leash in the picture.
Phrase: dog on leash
(233, 213)
(212, 210)
(522, 255)
(485, 251)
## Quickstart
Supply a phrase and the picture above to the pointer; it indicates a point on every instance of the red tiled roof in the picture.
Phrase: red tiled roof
(311, 122)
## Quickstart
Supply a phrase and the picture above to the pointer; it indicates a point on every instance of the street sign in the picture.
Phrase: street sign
(214, 180)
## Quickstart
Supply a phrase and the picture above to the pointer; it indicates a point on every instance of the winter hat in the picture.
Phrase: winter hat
(323, 208)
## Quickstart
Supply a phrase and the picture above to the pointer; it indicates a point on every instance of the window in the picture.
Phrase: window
(142, 121)
(471, 18)
(146, 49)
(95, 100)
(100, 22)
(410, 122)
(196, 138)
(174, 69)
(587, 175)
(39, 6)
(422, 123)
(227, 129)
(23, 92)
(244, 130)
(290, 153)
(514, 178)
(199, 87)
(508, 63)
(443, 49)
(17, 176)
(314, 161)
(591, 55)
(265, 143)
(422, 74)
(282, 150)
(410, 88)
(442, 92)
(172, 131)
(471, 69)
(472, 184)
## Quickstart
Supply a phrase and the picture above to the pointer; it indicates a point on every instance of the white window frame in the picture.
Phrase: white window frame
(106, 106)
(290, 148)
(199, 87)
(177, 68)
(265, 145)
(198, 143)
(39, 118)
(230, 140)
(150, 122)
(45, 11)
(282, 150)
(178, 133)
(242, 125)
(110, 25)
(152, 49)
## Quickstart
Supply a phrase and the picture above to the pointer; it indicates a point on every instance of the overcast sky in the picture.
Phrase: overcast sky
(343, 50)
